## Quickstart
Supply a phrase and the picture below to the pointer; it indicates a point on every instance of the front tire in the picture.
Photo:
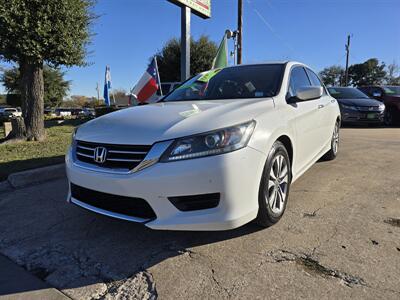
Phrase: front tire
(274, 186)
(332, 153)
(388, 117)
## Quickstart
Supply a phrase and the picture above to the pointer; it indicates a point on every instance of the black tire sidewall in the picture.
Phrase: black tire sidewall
(388, 117)
(266, 215)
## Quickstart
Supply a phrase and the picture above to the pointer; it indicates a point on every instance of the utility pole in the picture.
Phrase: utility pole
(98, 91)
(346, 75)
(240, 32)
(185, 42)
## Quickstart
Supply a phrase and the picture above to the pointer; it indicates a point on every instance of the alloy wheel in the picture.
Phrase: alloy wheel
(335, 139)
(278, 184)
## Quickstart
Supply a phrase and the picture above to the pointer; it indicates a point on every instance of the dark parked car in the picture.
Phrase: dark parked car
(390, 96)
(357, 107)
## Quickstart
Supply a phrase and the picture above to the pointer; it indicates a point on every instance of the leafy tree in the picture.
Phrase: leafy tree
(55, 87)
(34, 32)
(11, 80)
(118, 93)
(371, 72)
(202, 53)
(393, 76)
(332, 76)
(78, 101)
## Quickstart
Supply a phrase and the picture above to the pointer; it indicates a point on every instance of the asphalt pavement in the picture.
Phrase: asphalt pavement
(339, 239)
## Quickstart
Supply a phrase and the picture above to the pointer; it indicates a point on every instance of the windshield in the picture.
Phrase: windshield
(252, 81)
(392, 90)
(347, 93)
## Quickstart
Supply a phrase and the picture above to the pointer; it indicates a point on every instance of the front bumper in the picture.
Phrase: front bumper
(351, 116)
(235, 175)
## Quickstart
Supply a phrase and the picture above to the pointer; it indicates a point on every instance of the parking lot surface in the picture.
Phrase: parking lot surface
(339, 238)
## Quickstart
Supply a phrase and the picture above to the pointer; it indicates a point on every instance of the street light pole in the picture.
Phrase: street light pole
(240, 32)
(346, 75)
(98, 91)
(185, 42)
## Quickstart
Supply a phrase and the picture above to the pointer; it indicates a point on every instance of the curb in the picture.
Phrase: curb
(31, 177)
(17, 283)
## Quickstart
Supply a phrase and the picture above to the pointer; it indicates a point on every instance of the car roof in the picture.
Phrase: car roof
(342, 87)
(282, 62)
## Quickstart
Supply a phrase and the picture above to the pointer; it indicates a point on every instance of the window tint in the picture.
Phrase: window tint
(347, 93)
(298, 79)
(165, 87)
(375, 90)
(246, 81)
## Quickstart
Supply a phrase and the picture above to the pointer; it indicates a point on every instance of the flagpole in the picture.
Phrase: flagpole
(158, 77)
(112, 93)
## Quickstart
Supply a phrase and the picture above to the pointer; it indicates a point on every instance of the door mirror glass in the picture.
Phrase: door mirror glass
(309, 93)
(377, 94)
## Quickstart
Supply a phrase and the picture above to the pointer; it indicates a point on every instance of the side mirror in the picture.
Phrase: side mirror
(377, 94)
(307, 93)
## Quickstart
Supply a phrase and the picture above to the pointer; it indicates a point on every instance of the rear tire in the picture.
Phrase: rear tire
(332, 153)
(274, 186)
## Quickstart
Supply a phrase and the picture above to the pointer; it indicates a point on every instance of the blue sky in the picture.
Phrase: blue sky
(128, 32)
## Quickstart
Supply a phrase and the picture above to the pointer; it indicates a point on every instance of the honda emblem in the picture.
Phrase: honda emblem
(100, 155)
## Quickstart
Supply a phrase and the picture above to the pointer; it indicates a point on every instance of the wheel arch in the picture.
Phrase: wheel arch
(286, 141)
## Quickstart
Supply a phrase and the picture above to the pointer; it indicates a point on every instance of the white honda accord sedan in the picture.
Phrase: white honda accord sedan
(216, 153)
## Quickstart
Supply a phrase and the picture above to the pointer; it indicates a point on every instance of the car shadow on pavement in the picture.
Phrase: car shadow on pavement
(371, 126)
(72, 249)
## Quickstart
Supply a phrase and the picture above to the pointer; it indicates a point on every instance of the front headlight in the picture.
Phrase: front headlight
(349, 107)
(210, 143)
(381, 107)
(74, 135)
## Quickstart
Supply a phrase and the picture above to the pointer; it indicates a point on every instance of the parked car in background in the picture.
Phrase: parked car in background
(63, 112)
(216, 153)
(357, 107)
(8, 112)
(87, 113)
(390, 96)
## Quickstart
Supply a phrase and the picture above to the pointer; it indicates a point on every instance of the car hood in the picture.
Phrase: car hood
(393, 97)
(359, 102)
(147, 124)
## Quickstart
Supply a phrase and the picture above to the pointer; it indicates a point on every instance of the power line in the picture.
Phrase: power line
(271, 29)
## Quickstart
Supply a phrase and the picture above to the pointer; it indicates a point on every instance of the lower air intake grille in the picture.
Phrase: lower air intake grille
(133, 207)
(195, 202)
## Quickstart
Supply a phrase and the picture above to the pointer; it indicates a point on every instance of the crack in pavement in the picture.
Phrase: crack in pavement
(221, 287)
(311, 215)
(313, 266)
(314, 250)
(393, 221)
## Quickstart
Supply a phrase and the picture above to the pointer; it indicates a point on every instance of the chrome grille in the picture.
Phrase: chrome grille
(117, 156)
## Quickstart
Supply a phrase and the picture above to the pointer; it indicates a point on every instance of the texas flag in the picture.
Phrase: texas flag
(148, 84)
